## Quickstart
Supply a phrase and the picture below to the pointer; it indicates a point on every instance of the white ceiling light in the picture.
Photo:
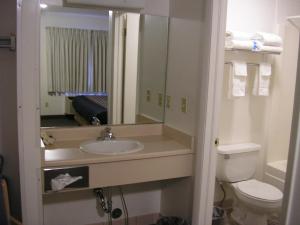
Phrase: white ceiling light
(43, 5)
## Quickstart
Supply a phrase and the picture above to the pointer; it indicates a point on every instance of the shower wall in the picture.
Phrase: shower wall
(283, 88)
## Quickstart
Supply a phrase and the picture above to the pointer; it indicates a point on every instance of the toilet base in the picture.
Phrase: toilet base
(245, 216)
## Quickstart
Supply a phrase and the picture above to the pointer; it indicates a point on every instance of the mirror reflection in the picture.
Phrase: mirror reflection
(102, 67)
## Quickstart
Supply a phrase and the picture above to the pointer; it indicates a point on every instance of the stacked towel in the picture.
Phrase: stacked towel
(237, 79)
(238, 35)
(262, 80)
(259, 41)
(270, 42)
(268, 39)
(241, 40)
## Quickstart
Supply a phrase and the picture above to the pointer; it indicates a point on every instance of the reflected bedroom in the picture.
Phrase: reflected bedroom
(101, 67)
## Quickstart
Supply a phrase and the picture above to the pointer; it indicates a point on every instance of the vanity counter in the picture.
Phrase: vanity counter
(68, 152)
(167, 154)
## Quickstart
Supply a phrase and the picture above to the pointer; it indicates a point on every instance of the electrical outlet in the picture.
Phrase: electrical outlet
(46, 104)
(168, 102)
(148, 96)
(160, 99)
(184, 105)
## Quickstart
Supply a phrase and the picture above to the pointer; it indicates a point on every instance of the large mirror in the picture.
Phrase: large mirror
(102, 67)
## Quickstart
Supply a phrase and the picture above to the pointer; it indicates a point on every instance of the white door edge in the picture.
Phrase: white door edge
(205, 169)
(290, 214)
(28, 39)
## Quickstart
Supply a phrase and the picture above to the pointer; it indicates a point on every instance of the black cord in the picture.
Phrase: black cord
(224, 193)
(124, 205)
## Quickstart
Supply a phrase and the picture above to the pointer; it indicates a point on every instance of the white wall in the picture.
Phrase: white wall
(284, 82)
(283, 95)
(251, 15)
(286, 8)
(153, 65)
(244, 119)
(68, 19)
(157, 7)
(183, 73)
(78, 208)
(8, 107)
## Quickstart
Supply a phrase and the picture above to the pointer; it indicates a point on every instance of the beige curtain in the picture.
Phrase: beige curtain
(67, 59)
(99, 48)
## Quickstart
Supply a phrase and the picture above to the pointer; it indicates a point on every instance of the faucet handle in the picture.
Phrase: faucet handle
(95, 121)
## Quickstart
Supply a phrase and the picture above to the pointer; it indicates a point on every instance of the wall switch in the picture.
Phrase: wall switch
(46, 104)
(184, 105)
(148, 96)
(160, 99)
(168, 102)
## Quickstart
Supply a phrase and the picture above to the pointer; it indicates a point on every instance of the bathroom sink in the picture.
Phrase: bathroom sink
(112, 147)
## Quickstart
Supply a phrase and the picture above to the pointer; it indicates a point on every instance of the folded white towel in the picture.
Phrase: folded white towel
(252, 45)
(239, 35)
(273, 49)
(268, 39)
(237, 80)
(265, 69)
(240, 68)
(262, 80)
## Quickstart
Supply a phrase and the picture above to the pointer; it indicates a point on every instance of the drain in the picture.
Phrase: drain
(116, 213)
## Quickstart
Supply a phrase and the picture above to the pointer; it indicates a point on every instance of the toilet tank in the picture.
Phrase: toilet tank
(237, 162)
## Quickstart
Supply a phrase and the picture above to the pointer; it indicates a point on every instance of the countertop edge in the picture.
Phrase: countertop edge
(77, 162)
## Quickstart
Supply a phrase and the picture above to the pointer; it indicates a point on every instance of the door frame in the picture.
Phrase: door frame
(208, 112)
(28, 107)
(290, 214)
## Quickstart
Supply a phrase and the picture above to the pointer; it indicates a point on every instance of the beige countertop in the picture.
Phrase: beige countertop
(68, 153)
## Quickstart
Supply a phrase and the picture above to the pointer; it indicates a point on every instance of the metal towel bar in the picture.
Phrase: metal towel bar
(249, 64)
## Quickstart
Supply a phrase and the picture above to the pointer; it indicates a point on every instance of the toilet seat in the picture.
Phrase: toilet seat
(259, 191)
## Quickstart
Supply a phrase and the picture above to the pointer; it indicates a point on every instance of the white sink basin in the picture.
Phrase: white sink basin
(112, 147)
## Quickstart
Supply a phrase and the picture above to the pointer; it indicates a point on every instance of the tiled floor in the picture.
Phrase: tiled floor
(272, 221)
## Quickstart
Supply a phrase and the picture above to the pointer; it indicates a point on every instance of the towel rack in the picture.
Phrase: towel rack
(250, 51)
(249, 64)
(8, 42)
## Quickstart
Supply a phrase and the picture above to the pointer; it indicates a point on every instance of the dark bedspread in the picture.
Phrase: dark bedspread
(89, 109)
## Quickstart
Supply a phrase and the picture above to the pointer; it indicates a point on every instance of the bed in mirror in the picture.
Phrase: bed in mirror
(102, 67)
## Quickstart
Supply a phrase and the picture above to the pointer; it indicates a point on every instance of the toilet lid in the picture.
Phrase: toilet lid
(260, 190)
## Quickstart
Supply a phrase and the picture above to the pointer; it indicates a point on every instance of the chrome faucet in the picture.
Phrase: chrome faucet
(107, 134)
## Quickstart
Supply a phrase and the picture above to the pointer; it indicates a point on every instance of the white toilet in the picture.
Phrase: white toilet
(254, 200)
